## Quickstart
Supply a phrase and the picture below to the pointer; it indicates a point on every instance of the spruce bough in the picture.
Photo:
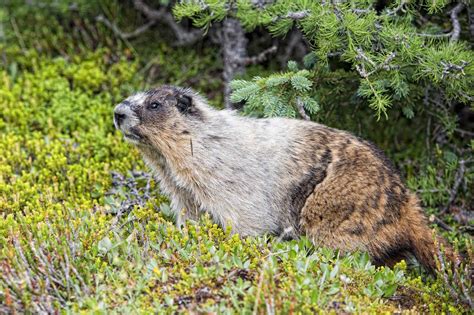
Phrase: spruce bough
(394, 58)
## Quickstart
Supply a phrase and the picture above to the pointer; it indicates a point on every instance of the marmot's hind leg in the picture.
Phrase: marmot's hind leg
(349, 213)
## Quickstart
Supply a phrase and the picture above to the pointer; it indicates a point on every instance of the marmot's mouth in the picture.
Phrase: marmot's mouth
(130, 136)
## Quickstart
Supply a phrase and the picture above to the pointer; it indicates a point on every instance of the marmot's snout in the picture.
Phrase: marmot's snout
(120, 114)
(125, 120)
(119, 118)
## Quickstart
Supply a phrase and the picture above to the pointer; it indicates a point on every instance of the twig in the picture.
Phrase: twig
(456, 26)
(259, 290)
(297, 15)
(447, 67)
(434, 35)
(462, 293)
(444, 273)
(18, 34)
(466, 291)
(470, 14)
(301, 111)
(361, 11)
(123, 35)
(261, 57)
(426, 103)
(149, 12)
(400, 8)
(457, 182)
(455, 21)
(435, 190)
(440, 223)
(295, 38)
(464, 132)
(276, 253)
(384, 65)
(184, 36)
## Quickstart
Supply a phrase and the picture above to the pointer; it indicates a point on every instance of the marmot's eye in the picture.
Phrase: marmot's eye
(154, 105)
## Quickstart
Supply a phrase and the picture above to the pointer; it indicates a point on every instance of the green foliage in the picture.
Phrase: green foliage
(42, 25)
(271, 95)
(435, 182)
(387, 52)
(214, 11)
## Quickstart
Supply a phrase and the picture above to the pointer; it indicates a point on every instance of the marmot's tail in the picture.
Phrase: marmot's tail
(426, 246)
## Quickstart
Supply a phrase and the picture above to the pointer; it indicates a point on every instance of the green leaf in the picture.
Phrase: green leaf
(408, 112)
(244, 93)
(301, 83)
(310, 60)
(104, 245)
(292, 66)
(276, 80)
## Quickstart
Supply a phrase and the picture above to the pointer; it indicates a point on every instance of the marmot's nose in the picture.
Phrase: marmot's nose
(119, 118)
(120, 113)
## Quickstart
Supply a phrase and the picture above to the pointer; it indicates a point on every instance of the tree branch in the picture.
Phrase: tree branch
(448, 67)
(440, 223)
(148, 11)
(296, 43)
(384, 65)
(261, 57)
(456, 26)
(400, 8)
(455, 21)
(137, 32)
(297, 15)
(301, 111)
(470, 14)
(184, 36)
(457, 182)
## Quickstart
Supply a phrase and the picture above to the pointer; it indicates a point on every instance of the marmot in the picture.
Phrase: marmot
(277, 176)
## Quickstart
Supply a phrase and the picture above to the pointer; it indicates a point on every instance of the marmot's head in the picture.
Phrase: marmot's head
(157, 116)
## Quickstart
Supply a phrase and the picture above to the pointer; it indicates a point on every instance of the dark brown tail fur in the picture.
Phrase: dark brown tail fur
(422, 239)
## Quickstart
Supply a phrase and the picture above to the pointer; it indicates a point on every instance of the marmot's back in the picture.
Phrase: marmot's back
(277, 176)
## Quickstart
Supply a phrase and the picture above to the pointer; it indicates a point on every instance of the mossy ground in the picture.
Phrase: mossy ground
(68, 242)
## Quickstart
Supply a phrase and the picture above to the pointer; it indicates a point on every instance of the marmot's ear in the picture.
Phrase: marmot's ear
(184, 103)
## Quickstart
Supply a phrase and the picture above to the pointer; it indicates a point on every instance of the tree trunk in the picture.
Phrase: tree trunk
(234, 51)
